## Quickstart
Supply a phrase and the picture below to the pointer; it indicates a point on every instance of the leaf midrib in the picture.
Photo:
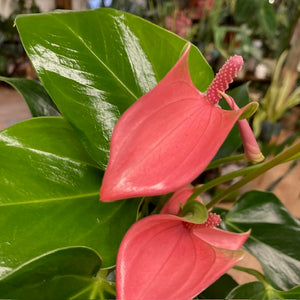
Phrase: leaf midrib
(97, 58)
(37, 201)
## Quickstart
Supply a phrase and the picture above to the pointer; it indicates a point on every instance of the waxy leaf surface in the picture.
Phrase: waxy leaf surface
(95, 64)
(49, 195)
(67, 273)
(274, 238)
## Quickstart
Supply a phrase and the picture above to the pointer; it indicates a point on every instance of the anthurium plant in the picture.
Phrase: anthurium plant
(100, 194)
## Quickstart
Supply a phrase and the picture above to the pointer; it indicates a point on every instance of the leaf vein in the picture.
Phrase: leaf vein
(80, 196)
(98, 58)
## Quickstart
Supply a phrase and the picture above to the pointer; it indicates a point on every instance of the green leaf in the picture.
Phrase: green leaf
(267, 19)
(233, 140)
(194, 211)
(293, 293)
(37, 99)
(249, 111)
(219, 289)
(49, 195)
(252, 290)
(68, 273)
(274, 239)
(94, 64)
(245, 9)
(259, 291)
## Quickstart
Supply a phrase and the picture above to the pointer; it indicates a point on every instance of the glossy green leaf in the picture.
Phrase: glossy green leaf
(49, 195)
(233, 140)
(252, 290)
(95, 64)
(37, 99)
(293, 293)
(274, 239)
(258, 291)
(68, 273)
(219, 289)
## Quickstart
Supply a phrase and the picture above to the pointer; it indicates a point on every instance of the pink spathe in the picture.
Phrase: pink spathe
(251, 148)
(177, 200)
(167, 257)
(167, 138)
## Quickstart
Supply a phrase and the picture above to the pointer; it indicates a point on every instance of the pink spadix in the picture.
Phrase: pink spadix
(169, 136)
(168, 257)
(224, 78)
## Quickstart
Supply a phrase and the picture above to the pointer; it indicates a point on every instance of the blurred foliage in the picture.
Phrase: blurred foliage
(278, 98)
(219, 28)
(12, 55)
(255, 28)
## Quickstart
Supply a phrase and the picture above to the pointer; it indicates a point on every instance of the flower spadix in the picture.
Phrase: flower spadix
(168, 257)
(168, 137)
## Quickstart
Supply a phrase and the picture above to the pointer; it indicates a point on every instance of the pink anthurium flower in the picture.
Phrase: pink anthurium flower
(168, 257)
(251, 148)
(168, 137)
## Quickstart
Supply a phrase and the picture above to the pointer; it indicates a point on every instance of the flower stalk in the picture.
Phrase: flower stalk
(258, 170)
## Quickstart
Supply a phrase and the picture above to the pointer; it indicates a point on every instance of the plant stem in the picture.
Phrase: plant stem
(259, 170)
(224, 160)
(252, 272)
(205, 187)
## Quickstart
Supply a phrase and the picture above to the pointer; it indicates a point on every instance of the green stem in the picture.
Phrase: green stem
(205, 187)
(101, 285)
(220, 161)
(262, 168)
(252, 272)
(272, 294)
